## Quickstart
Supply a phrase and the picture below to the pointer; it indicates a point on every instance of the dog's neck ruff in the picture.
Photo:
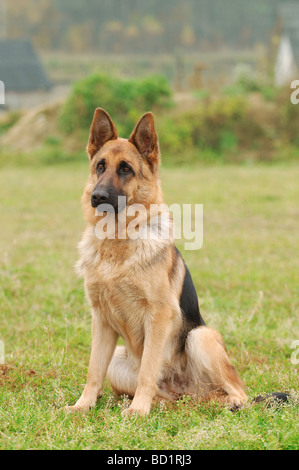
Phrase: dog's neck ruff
(159, 228)
(141, 245)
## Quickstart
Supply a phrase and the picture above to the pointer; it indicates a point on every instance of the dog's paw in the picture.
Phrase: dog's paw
(236, 402)
(132, 411)
(77, 409)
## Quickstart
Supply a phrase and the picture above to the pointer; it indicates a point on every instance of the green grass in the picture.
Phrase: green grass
(246, 277)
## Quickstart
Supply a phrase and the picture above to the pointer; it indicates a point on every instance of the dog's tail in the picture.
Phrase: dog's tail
(272, 398)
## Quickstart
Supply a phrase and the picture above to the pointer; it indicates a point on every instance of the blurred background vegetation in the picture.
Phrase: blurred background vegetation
(145, 26)
(205, 68)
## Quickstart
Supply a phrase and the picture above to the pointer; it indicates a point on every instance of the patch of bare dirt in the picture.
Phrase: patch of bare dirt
(31, 130)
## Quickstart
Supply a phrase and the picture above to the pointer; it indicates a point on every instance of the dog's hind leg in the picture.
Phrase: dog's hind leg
(123, 372)
(213, 375)
(123, 375)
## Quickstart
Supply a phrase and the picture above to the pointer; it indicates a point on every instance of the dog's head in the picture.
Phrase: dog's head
(121, 167)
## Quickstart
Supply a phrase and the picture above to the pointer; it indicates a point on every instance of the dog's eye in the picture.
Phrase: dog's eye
(100, 167)
(125, 168)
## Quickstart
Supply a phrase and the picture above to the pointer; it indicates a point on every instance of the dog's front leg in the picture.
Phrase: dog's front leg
(157, 329)
(103, 344)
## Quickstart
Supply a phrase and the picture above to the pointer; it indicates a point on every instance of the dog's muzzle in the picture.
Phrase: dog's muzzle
(106, 201)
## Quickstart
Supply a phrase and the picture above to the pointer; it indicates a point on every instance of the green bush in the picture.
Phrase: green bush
(246, 85)
(124, 100)
(231, 128)
(251, 120)
(212, 126)
(228, 127)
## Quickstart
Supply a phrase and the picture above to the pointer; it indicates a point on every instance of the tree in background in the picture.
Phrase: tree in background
(141, 26)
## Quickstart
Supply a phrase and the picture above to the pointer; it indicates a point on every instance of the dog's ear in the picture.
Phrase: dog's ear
(102, 129)
(145, 139)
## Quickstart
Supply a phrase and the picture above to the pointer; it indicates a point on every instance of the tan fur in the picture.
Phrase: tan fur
(134, 288)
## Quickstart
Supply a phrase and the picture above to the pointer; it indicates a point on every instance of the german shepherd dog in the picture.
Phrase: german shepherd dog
(141, 289)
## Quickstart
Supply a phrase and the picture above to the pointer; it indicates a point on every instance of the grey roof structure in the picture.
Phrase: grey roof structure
(20, 67)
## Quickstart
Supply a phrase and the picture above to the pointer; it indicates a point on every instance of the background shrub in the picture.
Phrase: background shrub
(240, 126)
(125, 100)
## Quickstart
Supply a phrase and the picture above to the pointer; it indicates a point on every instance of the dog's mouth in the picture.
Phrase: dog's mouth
(108, 208)
(105, 208)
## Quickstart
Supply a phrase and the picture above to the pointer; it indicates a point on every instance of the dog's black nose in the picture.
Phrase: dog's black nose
(99, 197)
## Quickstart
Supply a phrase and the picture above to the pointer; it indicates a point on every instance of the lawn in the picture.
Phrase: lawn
(246, 275)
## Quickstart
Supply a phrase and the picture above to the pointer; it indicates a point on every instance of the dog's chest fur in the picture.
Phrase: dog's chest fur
(118, 284)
